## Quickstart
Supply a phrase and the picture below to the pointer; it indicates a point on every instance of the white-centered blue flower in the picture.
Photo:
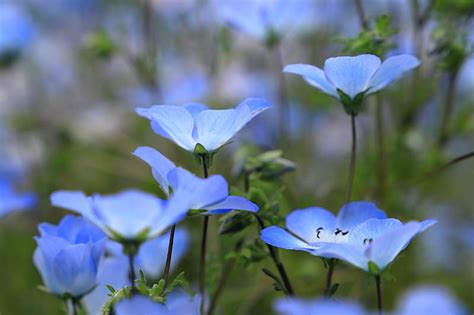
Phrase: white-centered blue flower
(193, 124)
(68, 255)
(295, 306)
(350, 79)
(11, 201)
(129, 215)
(208, 194)
(360, 234)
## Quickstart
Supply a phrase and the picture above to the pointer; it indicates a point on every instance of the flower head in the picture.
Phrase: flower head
(294, 306)
(360, 234)
(193, 124)
(68, 255)
(176, 303)
(11, 200)
(129, 215)
(210, 195)
(350, 79)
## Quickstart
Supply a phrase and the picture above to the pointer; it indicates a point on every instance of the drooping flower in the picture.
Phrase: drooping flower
(430, 300)
(68, 255)
(129, 215)
(211, 195)
(11, 201)
(193, 124)
(350, 79)
(360, 234)
(295, 306)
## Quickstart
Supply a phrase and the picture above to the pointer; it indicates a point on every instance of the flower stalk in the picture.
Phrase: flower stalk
(202, 263)
(353, 159)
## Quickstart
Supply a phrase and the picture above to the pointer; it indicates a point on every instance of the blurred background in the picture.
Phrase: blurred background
(72, 72)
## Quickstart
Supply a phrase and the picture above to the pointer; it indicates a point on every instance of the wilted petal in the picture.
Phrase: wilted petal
(314, 76)
(306, 223)
(351, 74)
(159, 164)
(278, 237)
(392, 69)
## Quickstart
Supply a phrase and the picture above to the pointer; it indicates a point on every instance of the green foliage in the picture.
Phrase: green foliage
(268, 165)
(277, 285)
(99, 45)
(376, 40)
(234, 222)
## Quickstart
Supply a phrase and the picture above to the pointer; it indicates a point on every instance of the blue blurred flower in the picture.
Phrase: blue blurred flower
(262, 18)
(129, 215)
(11, 200)
(211, 194)
(16, 31)
(68, 255)
(350, 79)
(294, 306)
(430, 300)
(176, 303)
(360, 234)
(194, 124)
(151, 258)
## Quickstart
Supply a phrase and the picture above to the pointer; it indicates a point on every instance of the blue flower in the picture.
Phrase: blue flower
(176, 303)
(208, 194)
(360, 234)
(194, 124)
(430, 300)
(130, 215)
(68, 255)
(350, 79)
(16, 31)
(294, 306)
(11, 200)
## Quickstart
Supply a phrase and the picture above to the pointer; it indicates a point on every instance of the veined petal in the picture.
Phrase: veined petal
(355, 213)
(195, 108)
(314, 76)
(231, 203)
(160, 165)
(351, 74)
(256, 105)
(392, 69)
(278, 237)
(367, 231)
(306, 223)
(352, 253)
(175, 123)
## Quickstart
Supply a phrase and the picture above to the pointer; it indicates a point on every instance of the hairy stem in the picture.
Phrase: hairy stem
(276, 260)
(168, 256)
(353, 159)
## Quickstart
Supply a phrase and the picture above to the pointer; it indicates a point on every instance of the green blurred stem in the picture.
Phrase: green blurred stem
(441, 168)
(331, 263)
(75, 305)
(353, 159)
(202, 263)
(283, 114)
(443, 135)
(229, 266)
(379, 294)
(168, 256)
(361, 14)
(276, 260)
(381, 152)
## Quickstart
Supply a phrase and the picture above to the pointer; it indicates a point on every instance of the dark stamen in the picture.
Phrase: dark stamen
(318, 231)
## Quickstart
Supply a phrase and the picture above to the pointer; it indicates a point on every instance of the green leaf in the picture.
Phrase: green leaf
(234, 222)
(331, 290)
(373, 268)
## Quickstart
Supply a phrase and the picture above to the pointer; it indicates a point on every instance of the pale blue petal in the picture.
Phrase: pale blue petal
(45, 268)
(159, 164)
(383, 250)
(72, 200)
(357, 212)
(176, 210)
(430, 300)
(139, 304)
(372, 229)
(351, 253)
(195, 108)
(306, 222)
(231, 203)
(426, 224)
(295, 306)
(256, 105)
(174, 122)
(351, 74)
(278, 237)
(75, 269)
(129, 212)
(314, 76)
(200, 191)
(392, 69)
(179, 302)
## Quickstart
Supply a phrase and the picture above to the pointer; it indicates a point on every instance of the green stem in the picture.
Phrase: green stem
(443, 135)
(131, 262)
(381, 153)
(331, 263)
(379, 294)
(202, 264)
(282, 96)
(168, 256)
(361, 14)
(353, 160)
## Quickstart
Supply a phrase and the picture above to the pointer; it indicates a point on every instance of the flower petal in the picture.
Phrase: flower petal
(139, 304)
(357, 212)
(278, 237)
(314, 76)
(392, 69)
(351, 74)
(173, 122)
(352, 253)
(306, 222)
(231, 203)
(160, 165)
(371, 229)
(195, 108)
